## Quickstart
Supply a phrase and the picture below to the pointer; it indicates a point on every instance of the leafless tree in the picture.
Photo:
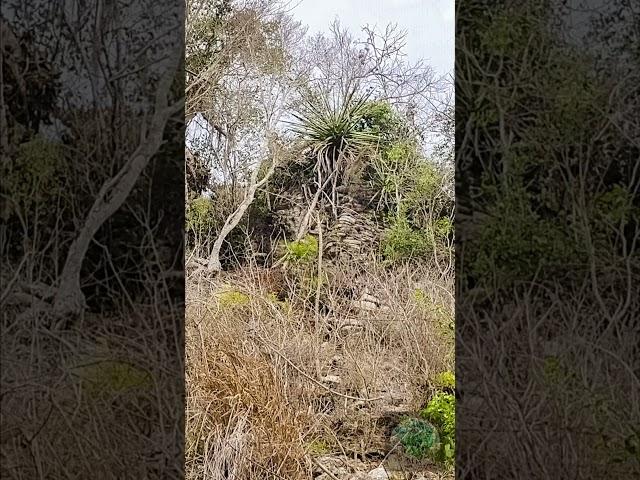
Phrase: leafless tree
(241, 94)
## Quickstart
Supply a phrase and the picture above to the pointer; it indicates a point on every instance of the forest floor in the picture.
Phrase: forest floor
(283, 382)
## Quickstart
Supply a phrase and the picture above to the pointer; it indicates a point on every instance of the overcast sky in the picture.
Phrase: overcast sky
(429, 23)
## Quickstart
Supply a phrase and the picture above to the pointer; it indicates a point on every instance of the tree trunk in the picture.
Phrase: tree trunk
(232, 221)
(69, 297)
(303, 227)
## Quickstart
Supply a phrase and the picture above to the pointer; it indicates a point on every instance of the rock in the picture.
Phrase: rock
(359, 476)
(333, 464)
(352, 241)
(368, 306)
(351, 329)
(366, 297)
(378, 474)
(350, 324)
(334, 379)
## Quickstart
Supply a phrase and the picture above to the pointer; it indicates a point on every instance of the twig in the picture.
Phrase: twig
(6, 291)
(303, 373)
(323, 468)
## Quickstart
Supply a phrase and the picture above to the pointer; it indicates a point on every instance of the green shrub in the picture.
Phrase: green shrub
(553, 370)
(427, 182)
(282, 305)
(513, 241)
(442, 316)
(233, 298)
(442, 228)
(418, 437)
(34, 175)
(403, 242)
(394, 175)
(112, 377)
(304, 250)
(441, 412)
(199, 214)
(445, 380)
(319, 447)
(616, 206)
(379, 117)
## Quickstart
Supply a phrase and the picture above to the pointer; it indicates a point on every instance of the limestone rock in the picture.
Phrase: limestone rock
(378, 474)
(333, 379)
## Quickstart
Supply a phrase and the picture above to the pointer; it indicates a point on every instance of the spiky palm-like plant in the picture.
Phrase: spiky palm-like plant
(335, 135)
(334, 132)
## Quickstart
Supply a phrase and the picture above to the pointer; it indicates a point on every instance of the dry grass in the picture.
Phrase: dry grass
(260, 400)
(88, 404)
(576, 387)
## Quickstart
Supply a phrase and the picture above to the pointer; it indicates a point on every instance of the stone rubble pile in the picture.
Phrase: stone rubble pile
(353, 235)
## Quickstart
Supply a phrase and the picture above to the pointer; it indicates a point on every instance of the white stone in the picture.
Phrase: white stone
(335, 379)
(369, 298)
(378, 474)
(370, 306)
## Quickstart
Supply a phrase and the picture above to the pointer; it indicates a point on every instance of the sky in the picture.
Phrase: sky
(429, 24)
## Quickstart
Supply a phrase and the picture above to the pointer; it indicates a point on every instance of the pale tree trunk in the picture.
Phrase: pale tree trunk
(213, 264)
(69, 297)
(303, 227)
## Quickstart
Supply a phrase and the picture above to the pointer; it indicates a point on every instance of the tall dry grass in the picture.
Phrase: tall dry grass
(274, 381)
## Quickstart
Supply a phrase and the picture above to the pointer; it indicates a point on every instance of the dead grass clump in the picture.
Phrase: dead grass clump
(246, 423)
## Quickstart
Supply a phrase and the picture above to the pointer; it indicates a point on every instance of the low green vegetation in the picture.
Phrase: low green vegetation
(433, 435)
(34, 176)
(233, 298)
(445, 380)
(419, 438)
(319, 446)
(441, 412)
(112, 377)
(402, 242)
(199, 214)
(302, 251)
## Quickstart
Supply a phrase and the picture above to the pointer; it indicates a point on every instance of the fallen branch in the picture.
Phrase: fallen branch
(309, 377)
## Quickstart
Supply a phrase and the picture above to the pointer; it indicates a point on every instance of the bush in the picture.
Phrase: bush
(418, 437)
(34, 175)
(514, 240)
(442, 316)
(445, 380)
(304, 250)
(442, 228)
(426, 184)
(392, 174)
(112, 378)
(232, 299)
(402, 242)
(441, 411)
(200, 215)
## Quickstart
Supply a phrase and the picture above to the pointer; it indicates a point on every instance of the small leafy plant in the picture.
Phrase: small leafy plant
(446, 380)
(233, 298)
(303, 250)
(319, 447)
(402, 242)
(199, 214)
(418, 437)
(112, 377)
(441, 411)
